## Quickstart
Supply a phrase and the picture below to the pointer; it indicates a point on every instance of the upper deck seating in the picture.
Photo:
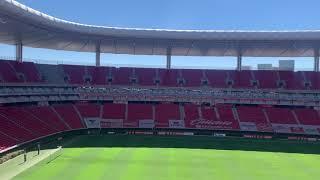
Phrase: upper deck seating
(192, 77)
(99, 75)
(146, 76)
(8, 73)
(241, 79)
(123, 76)
(217, 78)
(293, 80)
(313, 78)
(168, 77)
(75, 73)
(266, 79)
(28, 69)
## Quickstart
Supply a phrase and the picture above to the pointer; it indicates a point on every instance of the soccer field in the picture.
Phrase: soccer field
(160, 158)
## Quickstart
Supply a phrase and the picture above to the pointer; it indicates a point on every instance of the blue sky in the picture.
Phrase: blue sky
(177, 14)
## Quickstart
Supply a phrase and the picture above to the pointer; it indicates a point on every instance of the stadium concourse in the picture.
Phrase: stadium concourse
(39, 100)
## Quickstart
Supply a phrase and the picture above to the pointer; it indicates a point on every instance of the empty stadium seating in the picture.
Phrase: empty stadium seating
(266, 79)
(166, 112)
(69, 115)
(308, 116)
(145, 76)
(88, 110)
(137, 112)
(75, 74)
(255, 116)
(280, 116)
(27, 72)
(21, 124)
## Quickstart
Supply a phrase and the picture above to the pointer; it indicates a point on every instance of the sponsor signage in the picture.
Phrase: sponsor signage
(176, 124)
(111, 123)
(210, 124)
(146, 123)
(92, 122)
(219, 135)
(254, 136)
(248, 126)
(311, 129)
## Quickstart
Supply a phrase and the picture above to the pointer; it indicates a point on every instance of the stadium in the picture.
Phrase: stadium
(72, 121)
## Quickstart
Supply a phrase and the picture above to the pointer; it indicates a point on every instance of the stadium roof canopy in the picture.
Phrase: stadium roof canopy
(22, 24)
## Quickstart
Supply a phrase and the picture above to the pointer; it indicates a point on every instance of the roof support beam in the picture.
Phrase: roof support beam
(19, 51)
(169, 51)
(98, 54)
(316, 60)
(239, 62)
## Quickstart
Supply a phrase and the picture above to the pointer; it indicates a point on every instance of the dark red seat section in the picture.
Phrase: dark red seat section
(137, 112)
(217, 78)
(114, 111)
(88, 110)
(192, 77)
(168, 77)
(308, 116)
(266, 79)
(166, 112)
(69, 115)
(146, 76)
(280, 115)
(75, 73)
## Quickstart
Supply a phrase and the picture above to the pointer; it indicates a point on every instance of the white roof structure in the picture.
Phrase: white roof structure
(19, 23)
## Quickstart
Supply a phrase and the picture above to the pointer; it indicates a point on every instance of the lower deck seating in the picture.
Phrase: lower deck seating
(22, 124)
(164, 113)
(308, 116)
(227, 118)
(88, 110)
(253, 119)
(139, 115)
(69, 115)
(280, 116)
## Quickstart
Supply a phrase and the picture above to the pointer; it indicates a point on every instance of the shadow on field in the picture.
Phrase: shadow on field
(195, 142)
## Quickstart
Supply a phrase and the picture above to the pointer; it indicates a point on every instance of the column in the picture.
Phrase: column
(239, 62)
(19, 51)
(316, 60)
(169, 58)
(98, 54)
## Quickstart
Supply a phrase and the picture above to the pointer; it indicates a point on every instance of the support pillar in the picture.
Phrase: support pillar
(19, 51)
(239, 62)
(316, 60)
(168, 58)
(98, 54)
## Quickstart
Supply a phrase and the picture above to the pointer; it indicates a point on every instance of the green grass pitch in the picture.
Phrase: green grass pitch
(116, 157)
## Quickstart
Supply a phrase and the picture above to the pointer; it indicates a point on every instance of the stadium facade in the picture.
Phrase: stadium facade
(39, 100)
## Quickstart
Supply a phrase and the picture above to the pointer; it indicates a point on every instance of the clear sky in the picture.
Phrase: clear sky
(177, 14)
